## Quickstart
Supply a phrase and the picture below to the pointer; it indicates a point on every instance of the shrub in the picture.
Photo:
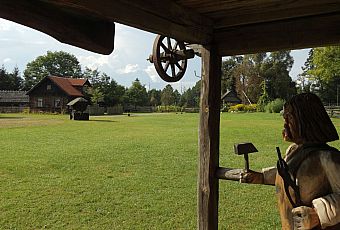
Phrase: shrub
(251, 108)
(275, 106)
(237, 108)
(242, 108)
(168, 108)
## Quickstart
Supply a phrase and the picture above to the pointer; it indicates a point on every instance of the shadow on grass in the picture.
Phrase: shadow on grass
(11, 117)
(103, 120)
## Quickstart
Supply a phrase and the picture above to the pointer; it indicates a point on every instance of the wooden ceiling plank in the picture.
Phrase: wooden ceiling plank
(272, 13)
(161, 17)
(74, 29)
(234, 12)
(281, 35)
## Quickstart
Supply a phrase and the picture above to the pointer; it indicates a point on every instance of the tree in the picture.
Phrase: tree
(275, 70)
(96, 96)
(305, 79)
(136, 94)
(264, 98)
(326, 72)
(191, 97)
(167, 96)
(10, 81)
(58, 63)
(228, 73)
(242, 74)
(154, 96)
(113, 93)
(177, 97)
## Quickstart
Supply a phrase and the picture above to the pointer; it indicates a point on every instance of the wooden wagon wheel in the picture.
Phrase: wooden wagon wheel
(170, 58)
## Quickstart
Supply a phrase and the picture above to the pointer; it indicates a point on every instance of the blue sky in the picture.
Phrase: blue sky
(20, 45)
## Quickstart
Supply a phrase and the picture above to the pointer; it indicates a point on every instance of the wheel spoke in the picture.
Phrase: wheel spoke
(179, 66)
(166, 50)
(169, 43)
(176, 44)
(166, 67)
(173, 70)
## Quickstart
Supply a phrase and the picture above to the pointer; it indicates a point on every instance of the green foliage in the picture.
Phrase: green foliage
(275, 106)
(167, 95)
(191, 97)
(243, 108)
(168, 108)
(326, 61)
(96, 95)
(244, 74)
(10, 81)
(264, 98)
(136, 95)
(58, 63)
(154, 97)
(323, 73)
(275, 71)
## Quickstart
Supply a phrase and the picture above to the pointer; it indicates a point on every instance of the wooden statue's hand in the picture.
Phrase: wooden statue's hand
(305, 218)
(252, 177)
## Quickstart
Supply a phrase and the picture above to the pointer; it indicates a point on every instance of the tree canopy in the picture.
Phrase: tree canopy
(58, 63)
(322, 73)
(246, 75)
(10, 81)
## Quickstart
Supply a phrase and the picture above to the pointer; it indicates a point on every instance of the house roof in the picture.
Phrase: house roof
(236, 27)
(77, 81)
(8, 96)
(77, 100)
(66, 84)
(231, 97)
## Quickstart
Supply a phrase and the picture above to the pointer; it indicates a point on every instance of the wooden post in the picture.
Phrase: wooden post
(209, 135)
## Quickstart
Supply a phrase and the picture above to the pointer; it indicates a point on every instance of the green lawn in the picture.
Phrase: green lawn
(120, 172)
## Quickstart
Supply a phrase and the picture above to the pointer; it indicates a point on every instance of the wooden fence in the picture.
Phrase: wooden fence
(333, 111)
(14, 109)
(97, 110)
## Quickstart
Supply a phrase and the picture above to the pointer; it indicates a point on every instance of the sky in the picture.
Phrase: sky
(20, 45)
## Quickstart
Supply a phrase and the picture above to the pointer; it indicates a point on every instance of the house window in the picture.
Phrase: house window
(40, 102)
(49, 87)
(57, 102)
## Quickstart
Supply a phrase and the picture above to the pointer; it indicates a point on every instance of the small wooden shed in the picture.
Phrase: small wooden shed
(231, 98)
(223, 28)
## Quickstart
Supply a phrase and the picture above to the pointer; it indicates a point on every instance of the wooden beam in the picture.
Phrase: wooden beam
(209, 135)
(161, 17)
(236, 13)
(72, 28)
(295, 33)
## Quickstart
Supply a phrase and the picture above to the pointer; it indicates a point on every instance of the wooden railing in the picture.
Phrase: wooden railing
(333, 111)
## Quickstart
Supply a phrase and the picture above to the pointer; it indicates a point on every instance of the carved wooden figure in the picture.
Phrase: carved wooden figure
(308, 180)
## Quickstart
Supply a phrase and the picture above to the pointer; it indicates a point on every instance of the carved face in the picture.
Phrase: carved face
(306, 121)
(290, 130)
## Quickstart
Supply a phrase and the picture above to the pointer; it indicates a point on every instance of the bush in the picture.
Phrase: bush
(242, 108)
(168, 108)
(275, 106)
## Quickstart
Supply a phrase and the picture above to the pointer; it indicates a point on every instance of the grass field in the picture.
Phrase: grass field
(120, 172)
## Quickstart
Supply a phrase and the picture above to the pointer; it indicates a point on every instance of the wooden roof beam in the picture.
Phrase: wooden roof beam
(280, 35)
(72, 28)
(161, 17)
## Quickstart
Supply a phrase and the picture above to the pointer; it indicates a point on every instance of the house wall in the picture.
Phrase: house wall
(48, 97)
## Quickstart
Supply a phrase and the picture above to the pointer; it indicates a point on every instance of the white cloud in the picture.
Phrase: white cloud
(129, 68)
(6, 60)
(152, 73)
(94, 62)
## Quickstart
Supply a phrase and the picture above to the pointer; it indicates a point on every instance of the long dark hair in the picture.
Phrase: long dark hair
(312, 122)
